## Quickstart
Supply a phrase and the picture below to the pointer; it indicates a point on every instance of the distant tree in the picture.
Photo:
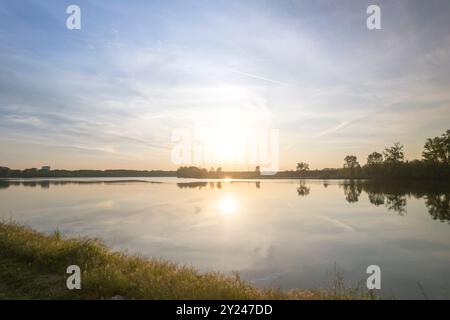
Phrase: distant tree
(375, 158)
(433, 150)
(302, 167)
(351, 162)
(258, 170)
(219, 169)
(29, 173)
(211, 169)
(437, 149)
(191, 172)
(394, 154)
(446, 137)
(4, 172)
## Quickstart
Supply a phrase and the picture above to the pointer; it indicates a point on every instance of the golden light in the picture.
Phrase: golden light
(228, 205)
(224, 135)
(226, 144)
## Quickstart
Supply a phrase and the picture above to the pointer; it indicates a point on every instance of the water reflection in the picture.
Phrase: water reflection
(45, 184)
(214, 184)
(228, 205)
(438, 206)
(391, 195)
(303, 189)
(286, 233)
(194, 185)
(352, 191)
(396, 203)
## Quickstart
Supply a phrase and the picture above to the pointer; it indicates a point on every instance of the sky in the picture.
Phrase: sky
(111, 94)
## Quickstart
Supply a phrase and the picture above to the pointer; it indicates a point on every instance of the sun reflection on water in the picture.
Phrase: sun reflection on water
(228, 205)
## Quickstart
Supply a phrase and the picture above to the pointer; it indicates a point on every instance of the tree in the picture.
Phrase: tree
(4, 172)
(191, 172)
(394, 154)
(437, 149)
(446, 137)
(375, 158)
(258, 170)
(351, 162)
(302, 167)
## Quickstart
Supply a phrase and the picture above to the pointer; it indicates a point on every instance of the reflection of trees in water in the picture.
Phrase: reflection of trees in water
(376, 199)
(47, 183)
(192, 185)
(352, 191)
(438, 206)
(302, 189)
(396, 203)
(4, 184)
(394, 194)
(392, 202)
(212, 184)
(390, 199)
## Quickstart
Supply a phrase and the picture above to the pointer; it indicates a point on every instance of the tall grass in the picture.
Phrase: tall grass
(33, 266)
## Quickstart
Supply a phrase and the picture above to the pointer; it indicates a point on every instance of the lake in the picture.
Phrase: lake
(283, 233)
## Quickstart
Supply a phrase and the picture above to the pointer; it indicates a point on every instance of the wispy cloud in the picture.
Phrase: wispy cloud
(137, 71)
(257, 77)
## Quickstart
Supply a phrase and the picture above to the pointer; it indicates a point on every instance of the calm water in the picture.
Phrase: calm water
(285, 233)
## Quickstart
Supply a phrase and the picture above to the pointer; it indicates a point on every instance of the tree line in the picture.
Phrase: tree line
(6, 172)
(388, 164)
(391, 163)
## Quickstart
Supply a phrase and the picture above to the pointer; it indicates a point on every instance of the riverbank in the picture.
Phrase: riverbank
(33, 266)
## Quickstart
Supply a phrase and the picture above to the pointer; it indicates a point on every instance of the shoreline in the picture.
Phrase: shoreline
(33, 266)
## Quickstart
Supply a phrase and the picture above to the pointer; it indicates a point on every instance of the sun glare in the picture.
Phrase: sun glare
(228, 205)
(226, 144)
(228, 135)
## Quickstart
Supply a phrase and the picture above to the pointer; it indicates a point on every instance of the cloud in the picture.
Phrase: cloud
(136, 72)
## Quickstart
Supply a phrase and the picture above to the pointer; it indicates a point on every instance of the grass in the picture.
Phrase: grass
(33, 266)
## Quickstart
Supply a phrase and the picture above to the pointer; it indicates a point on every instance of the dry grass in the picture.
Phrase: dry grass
(33, 266)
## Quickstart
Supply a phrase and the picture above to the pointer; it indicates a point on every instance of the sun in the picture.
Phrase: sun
(227, 144)
(229, 136)
(226, 140)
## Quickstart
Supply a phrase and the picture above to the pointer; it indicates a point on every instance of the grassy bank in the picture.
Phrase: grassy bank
(33, 266)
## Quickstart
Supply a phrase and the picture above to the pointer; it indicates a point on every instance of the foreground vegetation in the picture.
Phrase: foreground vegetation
(33, 266)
